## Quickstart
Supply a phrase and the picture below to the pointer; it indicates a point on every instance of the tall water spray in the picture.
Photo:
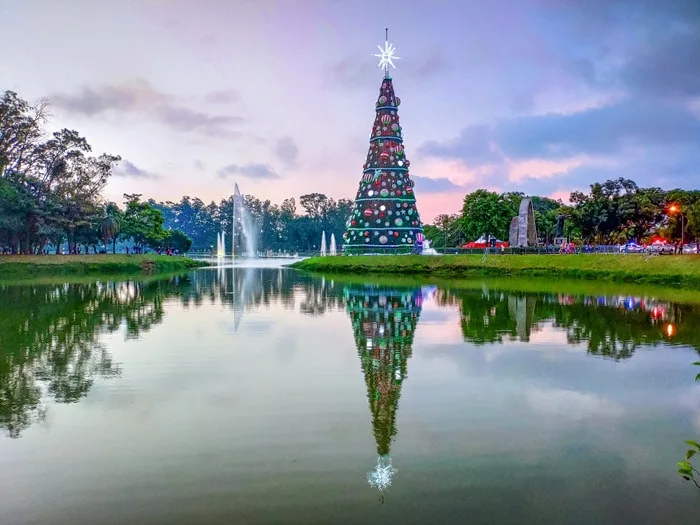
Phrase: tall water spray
(332, 250)
(220, 246)
(323, 244)
(245, 223)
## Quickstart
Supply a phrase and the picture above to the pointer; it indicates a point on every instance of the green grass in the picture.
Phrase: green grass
(32, 266)
(681, 271)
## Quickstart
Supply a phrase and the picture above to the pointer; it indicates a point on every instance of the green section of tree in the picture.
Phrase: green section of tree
(280, 226)
(612, 212)
(51, 190)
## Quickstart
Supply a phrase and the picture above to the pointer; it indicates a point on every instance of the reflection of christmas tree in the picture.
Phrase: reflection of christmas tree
(385, 214)
(384, 321)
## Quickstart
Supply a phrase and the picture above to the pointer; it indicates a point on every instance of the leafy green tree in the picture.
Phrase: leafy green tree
(486, 213)
(142, 223)
(112, 224)
(177, 240)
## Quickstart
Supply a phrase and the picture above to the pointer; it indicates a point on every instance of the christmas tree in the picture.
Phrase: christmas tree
(385, 218)
(384, 321)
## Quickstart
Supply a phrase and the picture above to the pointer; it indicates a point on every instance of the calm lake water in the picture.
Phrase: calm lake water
(266, 396)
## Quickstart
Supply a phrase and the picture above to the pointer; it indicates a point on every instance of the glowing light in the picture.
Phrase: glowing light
(382, 475)
(670, 329)
(386, 56)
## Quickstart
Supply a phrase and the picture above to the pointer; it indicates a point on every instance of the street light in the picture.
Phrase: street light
(675, 208)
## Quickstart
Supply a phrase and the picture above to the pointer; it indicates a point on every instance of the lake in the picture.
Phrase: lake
(263, 396)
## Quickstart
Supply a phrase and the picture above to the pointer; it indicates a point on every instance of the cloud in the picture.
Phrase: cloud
(250, 171)
(599, 131)
(199, 165)
(287, 151)
(428, 185)
(140, 97)
(222, 97)
(127, 169)
(571, 404)
(358, 70)
(667, 68)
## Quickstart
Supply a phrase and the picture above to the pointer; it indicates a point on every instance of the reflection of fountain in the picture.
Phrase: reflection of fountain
(427, 250)
(333, 250)
(323, 244)
(244, 224)
(220, 246)
(384, 321)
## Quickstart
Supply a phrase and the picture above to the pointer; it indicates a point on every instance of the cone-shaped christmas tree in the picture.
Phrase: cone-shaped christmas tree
(384, 321)
(385, 218)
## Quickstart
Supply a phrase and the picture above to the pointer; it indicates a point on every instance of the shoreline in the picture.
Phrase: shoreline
(681, 270)
(29, 266)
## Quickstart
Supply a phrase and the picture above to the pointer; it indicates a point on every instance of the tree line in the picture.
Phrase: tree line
(51, 191)
(280, 227)
(51, 197)
(612, 212)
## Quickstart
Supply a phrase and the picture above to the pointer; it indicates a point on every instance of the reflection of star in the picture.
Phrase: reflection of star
(386, 56)
(382, 475)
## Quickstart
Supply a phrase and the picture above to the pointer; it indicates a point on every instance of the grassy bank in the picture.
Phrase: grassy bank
(31, 266)
(666, 270)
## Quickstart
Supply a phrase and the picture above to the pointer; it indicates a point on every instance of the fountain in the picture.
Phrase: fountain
(333, 250)
(246, 224)
(220, 246)
(323, 244)
(427, 250)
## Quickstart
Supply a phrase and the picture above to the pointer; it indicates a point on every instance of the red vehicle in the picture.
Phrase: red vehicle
(482, 243)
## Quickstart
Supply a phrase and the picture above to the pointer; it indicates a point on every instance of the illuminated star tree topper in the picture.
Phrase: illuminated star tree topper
(386, 55)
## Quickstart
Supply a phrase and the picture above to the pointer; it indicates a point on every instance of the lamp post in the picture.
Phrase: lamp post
(675, 208)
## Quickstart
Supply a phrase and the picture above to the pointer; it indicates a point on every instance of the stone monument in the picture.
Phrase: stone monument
(559, 238)
(523, 231)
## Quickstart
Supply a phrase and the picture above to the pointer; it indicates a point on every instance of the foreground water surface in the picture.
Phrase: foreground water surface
(268, 396)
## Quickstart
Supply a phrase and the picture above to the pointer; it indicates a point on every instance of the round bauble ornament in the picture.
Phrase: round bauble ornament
(366, 224)
(366, 234)
(396, 234)
(409, 190)
(384, 156)
(386, 119)
(405, 205)
(382, 99)
(367, 212)
(400, 163)
(366, 239)
(384, 192)
(386, 224)
(398, 221)
(394, 127)
(376, 212)
(383, 239)
(379, 221)
(391, 232)
(408, 163)
(398, 101)
(382, 208)
(353, 223)
(370, 193)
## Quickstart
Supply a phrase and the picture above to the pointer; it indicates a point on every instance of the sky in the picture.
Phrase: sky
(539, 96)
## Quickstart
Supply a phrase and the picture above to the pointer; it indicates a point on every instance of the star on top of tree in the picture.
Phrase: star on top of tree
(386, 55)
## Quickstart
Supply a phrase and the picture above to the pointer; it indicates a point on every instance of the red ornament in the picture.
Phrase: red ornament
(384, 156)
(367, 212)
(396, 234)
(353, 223)
(366, 234)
